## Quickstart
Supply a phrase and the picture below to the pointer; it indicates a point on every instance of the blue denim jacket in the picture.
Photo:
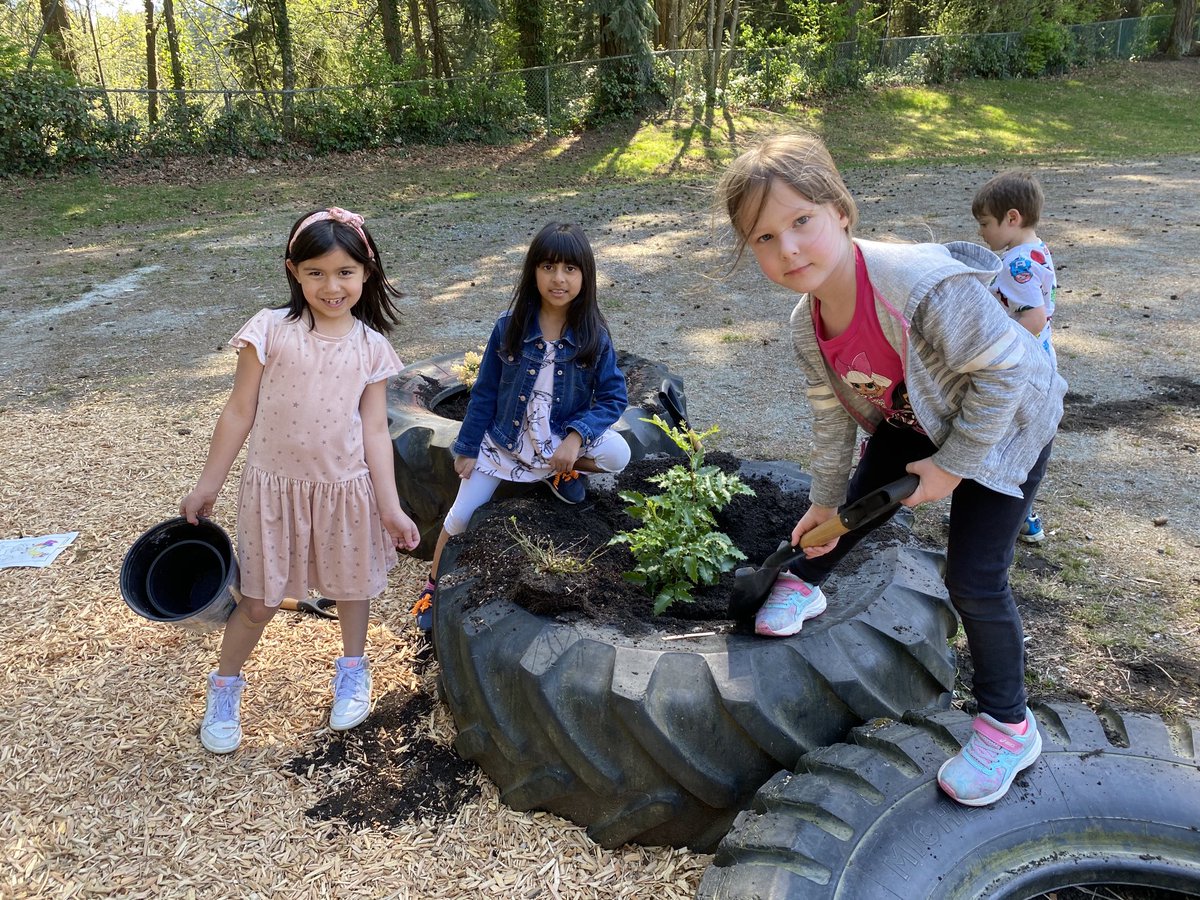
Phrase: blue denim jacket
(587, 399)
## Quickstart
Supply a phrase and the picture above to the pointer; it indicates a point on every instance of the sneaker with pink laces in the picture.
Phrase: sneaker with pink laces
(793, 602)
(984, 769)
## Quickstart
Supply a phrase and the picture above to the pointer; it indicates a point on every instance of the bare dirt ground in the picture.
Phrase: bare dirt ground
(113, 375)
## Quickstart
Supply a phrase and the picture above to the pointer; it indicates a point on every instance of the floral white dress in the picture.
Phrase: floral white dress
(536, 443)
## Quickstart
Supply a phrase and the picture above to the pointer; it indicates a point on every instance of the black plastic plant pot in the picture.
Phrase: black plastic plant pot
(426, 402)
(182, 574)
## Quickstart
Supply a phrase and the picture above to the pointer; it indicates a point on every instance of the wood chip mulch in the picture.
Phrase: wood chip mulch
(106, 790)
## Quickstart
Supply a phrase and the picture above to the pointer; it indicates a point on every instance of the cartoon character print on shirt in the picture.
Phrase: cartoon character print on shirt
(1021, 270)
(868, 384)
(878, 389)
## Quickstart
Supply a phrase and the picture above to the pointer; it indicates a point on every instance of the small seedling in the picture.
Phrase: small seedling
(678, 545)
(548, 557)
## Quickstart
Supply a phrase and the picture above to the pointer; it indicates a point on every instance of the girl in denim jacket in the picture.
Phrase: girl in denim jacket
(547, 394)
(906, 342)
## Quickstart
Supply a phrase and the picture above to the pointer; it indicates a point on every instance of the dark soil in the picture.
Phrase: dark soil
(393, 777)
(1082, 413)
(756, 525)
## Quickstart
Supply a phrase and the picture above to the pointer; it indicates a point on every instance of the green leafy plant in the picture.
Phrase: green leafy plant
(678, 546)
(468, 370)
(547, 556)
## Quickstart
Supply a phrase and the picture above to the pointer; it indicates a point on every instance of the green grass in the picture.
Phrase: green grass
(1112, 111)
(1115, 110)
(83, 202)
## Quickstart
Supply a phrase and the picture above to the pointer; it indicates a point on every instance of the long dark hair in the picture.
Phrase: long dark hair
(558, 242)
(377, 306)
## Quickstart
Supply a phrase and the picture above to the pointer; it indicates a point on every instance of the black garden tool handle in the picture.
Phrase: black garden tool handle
(751, 586)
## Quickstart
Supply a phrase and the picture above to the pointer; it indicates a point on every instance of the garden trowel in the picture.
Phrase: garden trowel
(752, 585)
(316, 606)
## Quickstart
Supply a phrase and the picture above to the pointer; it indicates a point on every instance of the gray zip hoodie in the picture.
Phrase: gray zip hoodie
(980, 385)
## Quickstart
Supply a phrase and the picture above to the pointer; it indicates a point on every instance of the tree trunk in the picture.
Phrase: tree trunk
(173, 50)
(710, 43)
(662, 32)
(55, 25)
(437, 41)
(733, 36)
(718, 45)
(529, 20)
(392, 42)
(108, 109)
(608, 41)
(287, 64)
(414, 16)
(1179, 42)
(151, 67)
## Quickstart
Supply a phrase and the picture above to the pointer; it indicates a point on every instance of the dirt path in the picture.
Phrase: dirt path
(112, 377)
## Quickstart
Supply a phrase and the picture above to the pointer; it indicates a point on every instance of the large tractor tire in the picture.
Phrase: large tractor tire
(422, 437)
(663, 742)
(1113, 800)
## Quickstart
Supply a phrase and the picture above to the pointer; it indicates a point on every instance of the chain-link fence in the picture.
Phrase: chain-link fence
(558, 98)
(567, 94)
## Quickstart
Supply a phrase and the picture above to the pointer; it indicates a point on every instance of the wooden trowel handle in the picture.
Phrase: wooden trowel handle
(823, 533)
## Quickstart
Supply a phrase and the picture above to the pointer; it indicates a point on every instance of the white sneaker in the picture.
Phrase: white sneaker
(351, 692)
(221, 731)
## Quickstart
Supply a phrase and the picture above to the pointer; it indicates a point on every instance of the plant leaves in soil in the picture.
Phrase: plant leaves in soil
(490, 551)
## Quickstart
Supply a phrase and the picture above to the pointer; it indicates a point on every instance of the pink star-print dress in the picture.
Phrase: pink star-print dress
(307, 517)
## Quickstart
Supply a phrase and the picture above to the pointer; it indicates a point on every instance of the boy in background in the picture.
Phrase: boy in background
(1007, 209)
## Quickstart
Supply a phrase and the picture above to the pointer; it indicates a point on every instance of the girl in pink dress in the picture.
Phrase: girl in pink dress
(318, 507)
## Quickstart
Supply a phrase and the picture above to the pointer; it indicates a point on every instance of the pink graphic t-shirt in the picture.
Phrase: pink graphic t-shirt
(862, 357)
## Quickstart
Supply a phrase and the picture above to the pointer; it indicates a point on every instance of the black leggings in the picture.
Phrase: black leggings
(980, 550)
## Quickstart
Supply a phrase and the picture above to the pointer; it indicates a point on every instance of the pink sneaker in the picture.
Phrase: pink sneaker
(793, 602)
(984, 769)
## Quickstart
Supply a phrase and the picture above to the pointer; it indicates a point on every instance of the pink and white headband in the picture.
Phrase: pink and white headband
(336, 214)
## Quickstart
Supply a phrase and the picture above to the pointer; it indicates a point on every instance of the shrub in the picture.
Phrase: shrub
(678, 545)
(1045, 49)
(624, 88)
(328, 126)
(46, 125)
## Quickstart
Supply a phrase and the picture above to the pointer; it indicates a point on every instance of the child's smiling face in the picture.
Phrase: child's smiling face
(798, 243)
(332, 284)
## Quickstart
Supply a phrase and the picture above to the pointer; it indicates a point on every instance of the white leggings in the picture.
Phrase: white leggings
(611, 456)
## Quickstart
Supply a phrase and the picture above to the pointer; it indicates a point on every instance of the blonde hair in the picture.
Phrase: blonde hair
(801, 161)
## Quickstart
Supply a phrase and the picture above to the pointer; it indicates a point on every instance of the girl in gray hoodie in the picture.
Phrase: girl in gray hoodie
(905, 342)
